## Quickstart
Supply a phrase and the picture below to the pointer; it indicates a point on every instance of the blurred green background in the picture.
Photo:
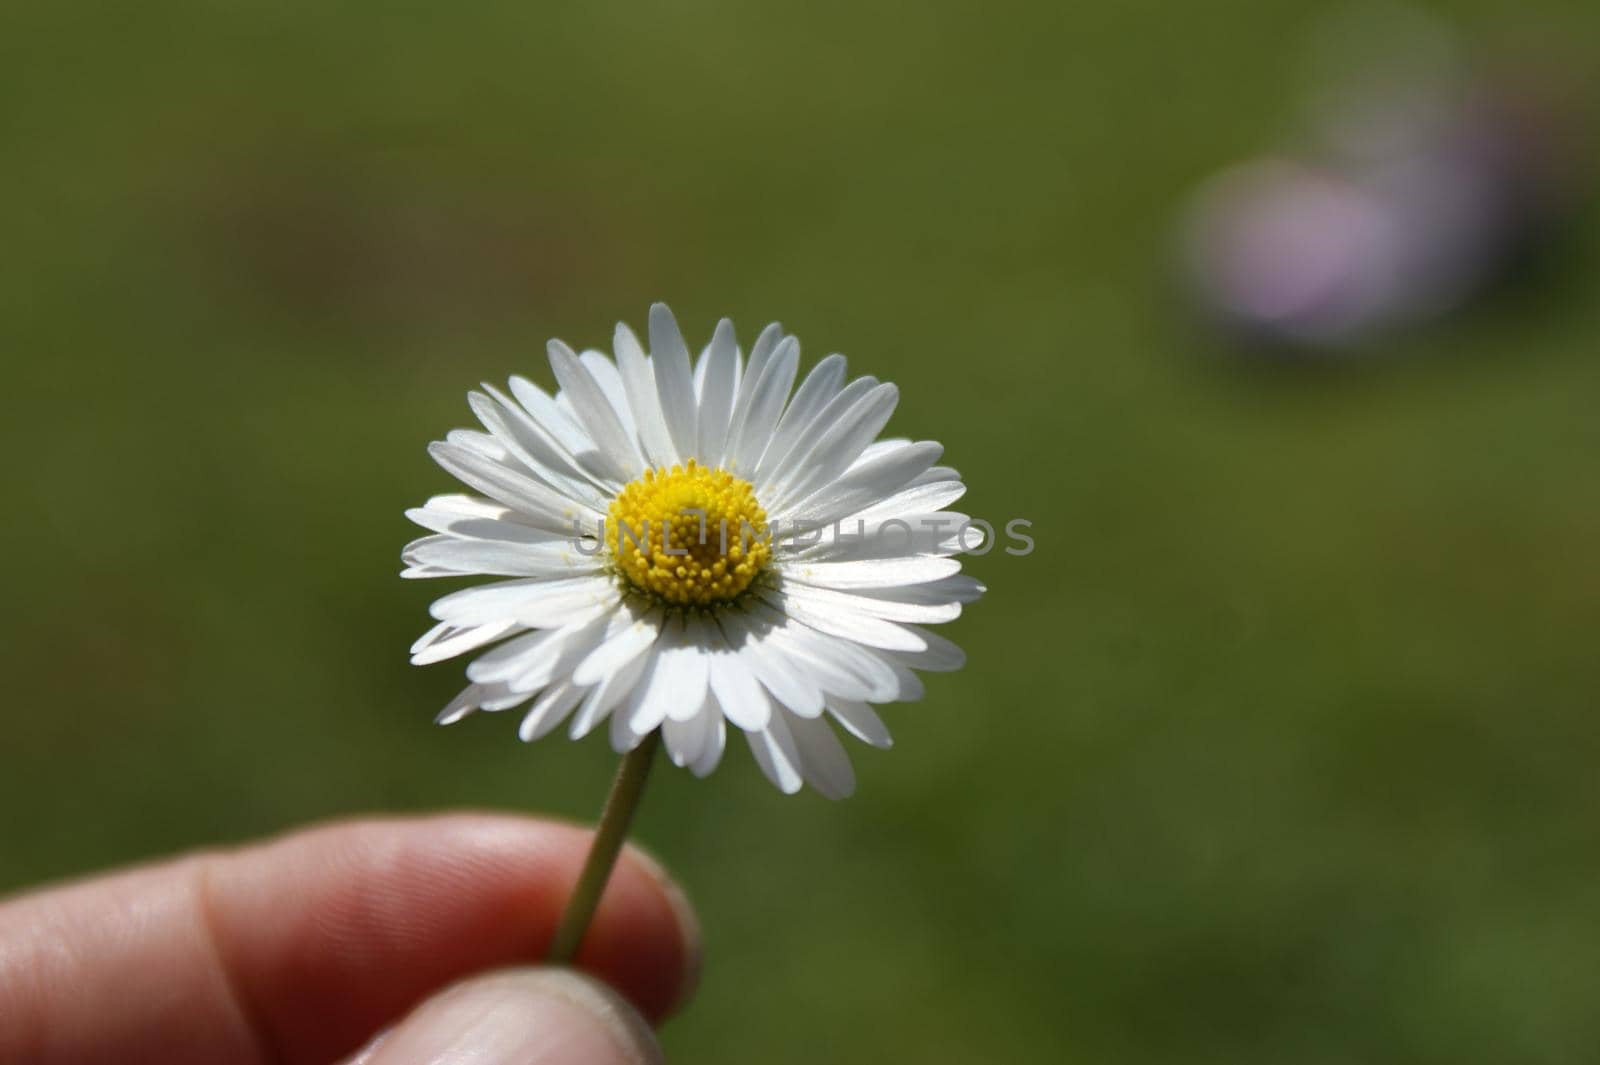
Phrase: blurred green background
(1282, 747)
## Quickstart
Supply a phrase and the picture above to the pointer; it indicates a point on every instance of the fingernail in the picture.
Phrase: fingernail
(521, 1017)
(683, 913)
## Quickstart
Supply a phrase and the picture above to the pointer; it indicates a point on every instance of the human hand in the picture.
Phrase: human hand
(377, 942)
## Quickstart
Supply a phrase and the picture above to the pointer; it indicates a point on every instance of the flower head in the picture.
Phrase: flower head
(689, 545)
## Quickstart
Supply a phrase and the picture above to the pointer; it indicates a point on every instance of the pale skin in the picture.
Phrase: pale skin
(379, 941)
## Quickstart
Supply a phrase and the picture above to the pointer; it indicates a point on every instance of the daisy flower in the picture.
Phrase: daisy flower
(691, 544)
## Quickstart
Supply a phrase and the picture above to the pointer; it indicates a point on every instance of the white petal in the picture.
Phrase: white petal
(889, 573)
(755, 421)
(940, 656)
(938, 473)
(674, 380)
(836, 666)
(484, 444)
(504, 529)
(916, 499)
(839, 445)
(603, 697)
(558, 558)
(685, 738)
(595, 413)
(819, 387)
(716, 394)
(796, 436)
(538, 450)
(551, 417)
(823, 760)
(737, 692)
(711, 752)
(958, 588)
(536, 602)
(861, 721)
(445, 640)
(606, 375)
(619, 649)
(539, 504)
(864, 485)
(760, 353)
(548, 711)
(777, 755)
(508, 659)
(459, 707)
(857, 538)
(850, 624)
(677, 685)
(873, 606)
(764, 660)
(639, 382)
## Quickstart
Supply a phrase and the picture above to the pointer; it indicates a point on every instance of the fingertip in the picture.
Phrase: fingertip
(684, 919)
(520, 1017)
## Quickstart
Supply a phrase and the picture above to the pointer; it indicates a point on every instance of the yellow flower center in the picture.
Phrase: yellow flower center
(689, 535)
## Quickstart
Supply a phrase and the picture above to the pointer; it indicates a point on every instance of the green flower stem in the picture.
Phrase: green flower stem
(608, 840)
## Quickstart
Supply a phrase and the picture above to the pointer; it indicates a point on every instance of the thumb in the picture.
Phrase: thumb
(519, 1017)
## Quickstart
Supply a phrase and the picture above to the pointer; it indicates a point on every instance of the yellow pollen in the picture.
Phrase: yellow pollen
(689, 535)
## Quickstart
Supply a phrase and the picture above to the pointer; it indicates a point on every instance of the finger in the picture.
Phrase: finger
(298, 950)
(519, 1017)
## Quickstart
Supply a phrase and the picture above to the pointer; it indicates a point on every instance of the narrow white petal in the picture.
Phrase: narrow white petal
(484, 444)
(958, 588)
(536, 602)
(861, 721)
(819, 387)
(873, 606)
(850, 624)
(477, 527)
(879, 448)
(508, 659)
(678, 683)
(459, 707)
(674, 380)
(856, 538)
(604, 696)
(737, 691)
(777, 755)
(548, 711)
(606, 375)
(555, 658)
(940, 656)
(764, 660)
(686, 737)
(539, 504)
(716, 394)
(864, 485)
(551, 417)
(823, 760)
(840, 444)
(889, 573)
(538, 450)
(639, 382)
(797, 435)
(754, 423)
(445, 640)
(916, 499)
(938, 473)
(760, 352)
(612, 440)
(558, 558)
(620, 649)
(837, 666)
(711, 752)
